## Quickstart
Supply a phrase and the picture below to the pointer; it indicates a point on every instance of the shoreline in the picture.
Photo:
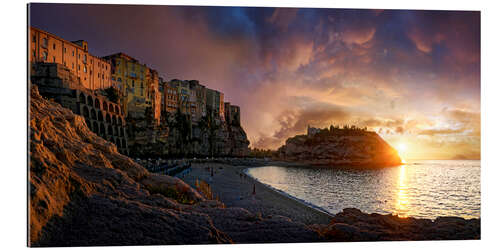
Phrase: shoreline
(286, 195)
(242, 165)
(234, 188)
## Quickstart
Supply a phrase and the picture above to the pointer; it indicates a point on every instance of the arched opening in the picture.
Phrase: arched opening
(121, 131)
(90, 100)
(105, 106)
(111, 108)
(124, 143)
(99, 116)
(81, 98)
(118, 143)
(110, 130)
(108, 118)
(97, 103)
(93, 114)
(102, 130)
(89, 125)
(117, 109)
(95, 127)
(85, 112)
(114, 120)
(119, 121)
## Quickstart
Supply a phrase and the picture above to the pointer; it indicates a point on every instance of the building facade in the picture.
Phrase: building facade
(215, 103)
(232, 113)
(138, 85)
(170, 97)
(93, 72)
(198, 99)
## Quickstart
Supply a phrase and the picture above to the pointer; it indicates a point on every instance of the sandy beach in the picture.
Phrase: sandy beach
(235, 189)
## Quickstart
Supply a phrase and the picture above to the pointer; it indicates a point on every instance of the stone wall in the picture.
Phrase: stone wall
(103, 117)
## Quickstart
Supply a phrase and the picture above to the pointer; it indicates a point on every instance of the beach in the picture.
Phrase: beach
(235, 189)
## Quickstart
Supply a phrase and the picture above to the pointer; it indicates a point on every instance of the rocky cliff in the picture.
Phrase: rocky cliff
(83, 192)
(340, 147)
(190, 140)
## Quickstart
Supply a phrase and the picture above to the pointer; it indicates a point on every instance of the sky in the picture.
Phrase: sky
(412, 76)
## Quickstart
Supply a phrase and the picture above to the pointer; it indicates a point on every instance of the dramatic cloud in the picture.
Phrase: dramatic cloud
(412, 76)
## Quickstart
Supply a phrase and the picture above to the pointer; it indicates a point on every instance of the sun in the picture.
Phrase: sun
(401, 148)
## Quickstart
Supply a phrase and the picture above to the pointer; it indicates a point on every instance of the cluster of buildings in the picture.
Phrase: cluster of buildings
(140, 87)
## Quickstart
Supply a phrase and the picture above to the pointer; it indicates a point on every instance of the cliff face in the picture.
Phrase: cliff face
(340, 148)
(83, 192)
(225, 140)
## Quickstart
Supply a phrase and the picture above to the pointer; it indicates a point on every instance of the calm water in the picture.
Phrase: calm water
(421, 189)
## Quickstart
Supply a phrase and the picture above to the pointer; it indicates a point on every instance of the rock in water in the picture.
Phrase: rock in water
(340, 147)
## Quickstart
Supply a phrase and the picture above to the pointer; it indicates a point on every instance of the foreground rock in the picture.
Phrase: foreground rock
(83, 192)
(339, 147)
(353, 225)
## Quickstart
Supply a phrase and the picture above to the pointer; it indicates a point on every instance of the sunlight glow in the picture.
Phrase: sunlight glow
(402, 195)
(401, 148)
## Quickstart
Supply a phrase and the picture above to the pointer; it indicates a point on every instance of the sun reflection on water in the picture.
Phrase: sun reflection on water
(402, 199)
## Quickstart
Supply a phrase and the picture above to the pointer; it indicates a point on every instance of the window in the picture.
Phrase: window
(78, 67)
(85, 68)
(34, 38)
(34, 54)
(85, 58)
(133, 83)
(73, 53)
(79, 56)
(98, 75)
(53, 59)
(45, 55)
(44, 43)
(54, 46)
(119, 79)
(64, 50)
(73, 65)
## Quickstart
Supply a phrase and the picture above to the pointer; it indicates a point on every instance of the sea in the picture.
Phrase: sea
(420, 189)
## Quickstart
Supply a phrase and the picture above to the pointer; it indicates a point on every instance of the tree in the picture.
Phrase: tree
(183, 125)
(113, 94)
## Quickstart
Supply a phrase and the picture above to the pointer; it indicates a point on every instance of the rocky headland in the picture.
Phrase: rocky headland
(351, 147)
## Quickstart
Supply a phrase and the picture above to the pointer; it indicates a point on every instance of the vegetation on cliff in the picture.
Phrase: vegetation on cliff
(177, 136)
(347, 146)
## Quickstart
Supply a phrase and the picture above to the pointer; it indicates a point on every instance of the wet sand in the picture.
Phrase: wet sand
(235, 189)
